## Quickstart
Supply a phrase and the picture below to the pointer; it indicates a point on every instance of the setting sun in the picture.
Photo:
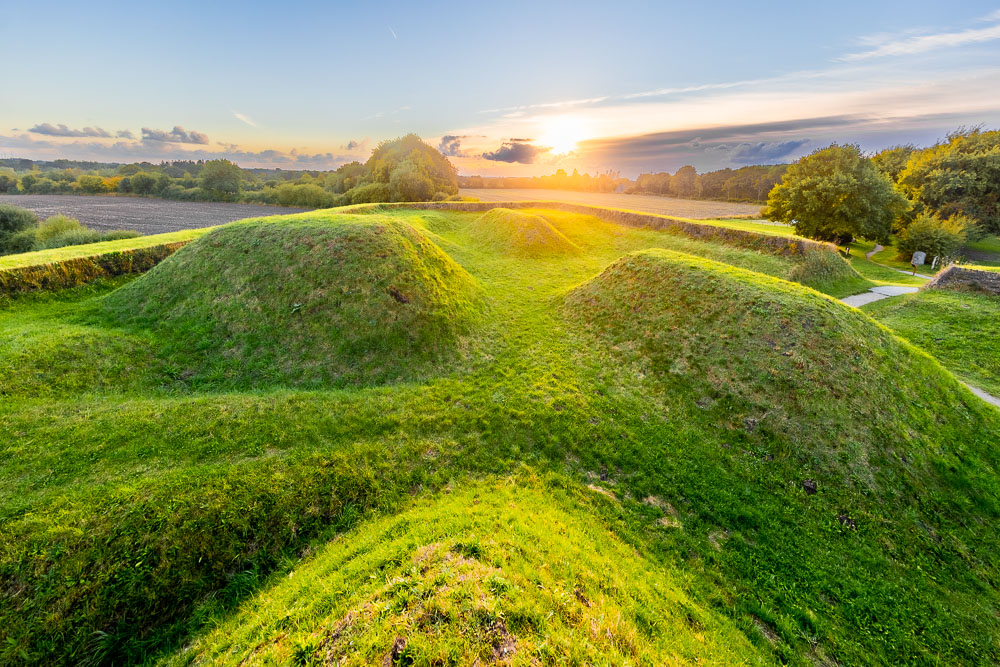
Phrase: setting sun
(562, 134)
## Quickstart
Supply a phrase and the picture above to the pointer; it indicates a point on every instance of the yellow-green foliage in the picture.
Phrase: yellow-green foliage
(520, 233)
(308, 299)
(492, 573)
(80, 270)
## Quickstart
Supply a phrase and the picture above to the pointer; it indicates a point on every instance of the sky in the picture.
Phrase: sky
(513, 88)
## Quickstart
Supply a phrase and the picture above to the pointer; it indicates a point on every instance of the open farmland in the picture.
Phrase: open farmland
(682, 208)
(146, 216)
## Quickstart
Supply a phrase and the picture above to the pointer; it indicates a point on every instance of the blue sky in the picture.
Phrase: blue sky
(532, 86)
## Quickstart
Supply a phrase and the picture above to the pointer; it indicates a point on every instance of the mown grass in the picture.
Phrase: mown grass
(138, 515)
(92, 249)
(954, 326)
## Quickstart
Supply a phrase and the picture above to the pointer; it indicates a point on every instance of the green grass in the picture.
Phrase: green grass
(637, 421)
(953, 326)
(92, 249)
(761, 227)
(304, 302)
(990, 244)
(489, 570)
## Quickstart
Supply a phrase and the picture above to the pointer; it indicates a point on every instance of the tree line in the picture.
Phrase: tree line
(932, 199)
(404, 169)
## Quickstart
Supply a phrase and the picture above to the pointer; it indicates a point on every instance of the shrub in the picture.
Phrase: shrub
(934, 236)
(308, 195)
(91, 184)
(370, 192)
(119, 234)
(143, 183)
(14, 219)
(56, 226)
(18, 242)
(80, 236)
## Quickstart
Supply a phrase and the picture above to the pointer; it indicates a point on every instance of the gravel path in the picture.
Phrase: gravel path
(147, 216)
(682, 208)
(878, 293)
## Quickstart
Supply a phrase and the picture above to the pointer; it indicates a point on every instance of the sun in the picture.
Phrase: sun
(562, 134)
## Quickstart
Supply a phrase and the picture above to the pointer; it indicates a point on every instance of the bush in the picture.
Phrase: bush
(119, 234)
(91, 184)
(371, 192)
(56, 226)
(18, 242)
(309, 195)
(80, 236)
(14, 219)
(934, 236)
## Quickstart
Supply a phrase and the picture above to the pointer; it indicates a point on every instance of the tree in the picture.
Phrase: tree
(27, 181)
(8, 183)
(221, 177)
(836, 194)
(91, 184)
(409, 183)
(143, 183)
(959, 176)
(682, 183)
(427, 160)
(892, 161)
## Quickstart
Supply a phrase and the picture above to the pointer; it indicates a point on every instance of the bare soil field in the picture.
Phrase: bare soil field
(682, 208)
(146, 216)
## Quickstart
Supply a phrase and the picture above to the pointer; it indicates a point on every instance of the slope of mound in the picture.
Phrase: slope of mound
(313, 299)
(520, 233)
(484, 575)
(950, 325)
(781, 362)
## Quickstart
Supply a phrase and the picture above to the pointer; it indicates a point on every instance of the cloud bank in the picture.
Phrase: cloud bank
(178, 135)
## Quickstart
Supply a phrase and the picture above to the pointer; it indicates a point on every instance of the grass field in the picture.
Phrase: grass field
(638, 448)
(954, 326)
(672, 206)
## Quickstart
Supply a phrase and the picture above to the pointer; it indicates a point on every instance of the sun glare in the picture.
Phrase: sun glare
(563, 134)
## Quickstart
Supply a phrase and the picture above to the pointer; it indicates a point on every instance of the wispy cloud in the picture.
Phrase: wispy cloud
(908, 46)
(393, 32)
(246, 119)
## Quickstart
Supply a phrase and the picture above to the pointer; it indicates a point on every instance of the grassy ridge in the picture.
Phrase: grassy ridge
(95, 249)
(148, 511)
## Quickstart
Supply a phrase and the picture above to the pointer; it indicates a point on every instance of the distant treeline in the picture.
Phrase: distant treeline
(745, 184)
(405, 169)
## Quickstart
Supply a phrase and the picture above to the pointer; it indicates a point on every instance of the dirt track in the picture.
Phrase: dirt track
(682, 208)
(147, 216)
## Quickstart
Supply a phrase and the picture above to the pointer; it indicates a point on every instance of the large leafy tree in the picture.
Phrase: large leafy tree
(425, 160)
(836, 194)
(958, 176)
(221, 177)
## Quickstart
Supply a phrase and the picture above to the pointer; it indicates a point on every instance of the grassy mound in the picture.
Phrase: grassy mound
(491, 573)
(520, 233)
(315, 299)
(789, 364)
(951, 326)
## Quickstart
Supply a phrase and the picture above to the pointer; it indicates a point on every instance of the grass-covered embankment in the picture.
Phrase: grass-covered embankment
(956, 327)
(676, 407)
